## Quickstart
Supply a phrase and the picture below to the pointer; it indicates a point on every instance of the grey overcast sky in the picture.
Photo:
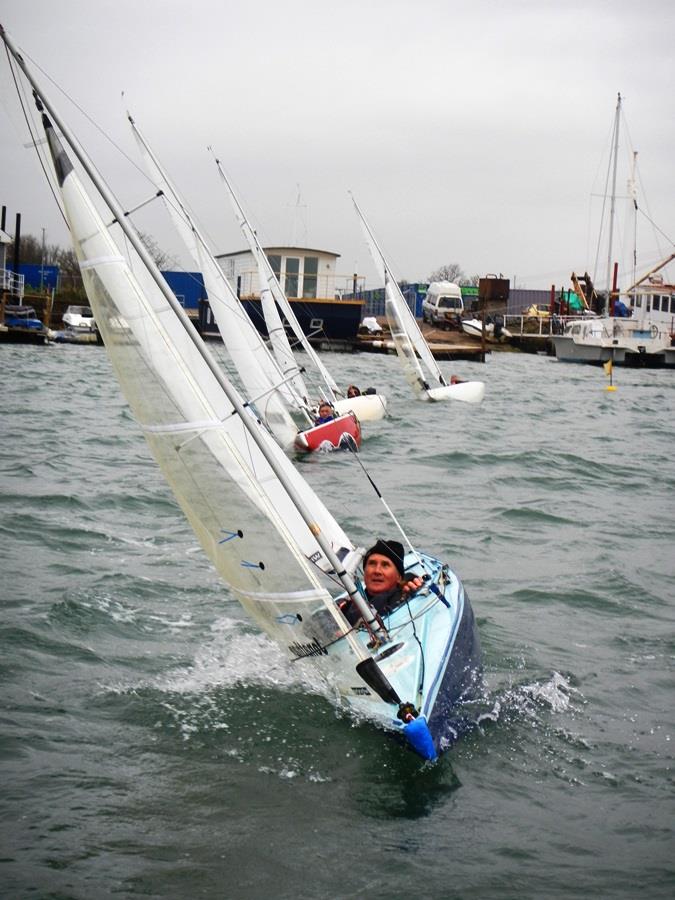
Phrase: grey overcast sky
(469, 131)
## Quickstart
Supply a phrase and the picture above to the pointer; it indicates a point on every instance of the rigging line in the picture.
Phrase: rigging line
(415, 635)
(34, 139)
(654, 225)
(83, 112)
(350, 443)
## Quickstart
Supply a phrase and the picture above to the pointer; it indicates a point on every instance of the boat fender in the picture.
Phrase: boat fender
(419, 737)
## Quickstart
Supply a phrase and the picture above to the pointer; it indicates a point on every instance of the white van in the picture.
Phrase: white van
(442, 303)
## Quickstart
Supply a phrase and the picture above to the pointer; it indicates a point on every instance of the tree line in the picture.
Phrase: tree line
(453, 272)
(33, 252)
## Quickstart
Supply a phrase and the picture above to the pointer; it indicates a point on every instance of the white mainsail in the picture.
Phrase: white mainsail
(260, 376)
(411, 346)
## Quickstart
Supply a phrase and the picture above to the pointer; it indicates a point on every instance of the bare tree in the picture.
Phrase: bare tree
(449, 272)
(162, 260)
(32, 252)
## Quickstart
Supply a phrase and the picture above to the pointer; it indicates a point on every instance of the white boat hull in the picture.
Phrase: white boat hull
(366, 407)
(466, 391)
(626, 342)
(474, 328)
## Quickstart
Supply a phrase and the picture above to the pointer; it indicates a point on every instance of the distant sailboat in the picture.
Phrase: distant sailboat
(369, 407)
(270, 389)
(268, 534)
(419, 366)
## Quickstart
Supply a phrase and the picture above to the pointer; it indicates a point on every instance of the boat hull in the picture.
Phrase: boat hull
(626, 342)
(366, 407)
(339, 434)
(474, 328)
(466, 391)
(433, 659)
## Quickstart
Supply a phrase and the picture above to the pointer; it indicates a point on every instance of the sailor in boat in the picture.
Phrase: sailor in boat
(386, 583)
(326, 414)
(353, 391)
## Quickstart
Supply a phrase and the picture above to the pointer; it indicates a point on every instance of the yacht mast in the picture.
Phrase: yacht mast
(613, 203)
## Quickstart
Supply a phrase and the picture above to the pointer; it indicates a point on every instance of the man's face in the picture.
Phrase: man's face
(324, 410)
(380, 574)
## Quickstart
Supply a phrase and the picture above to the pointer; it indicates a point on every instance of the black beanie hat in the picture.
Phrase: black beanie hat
(393, 550)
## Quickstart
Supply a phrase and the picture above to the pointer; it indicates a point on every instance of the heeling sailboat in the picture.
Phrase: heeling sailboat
(419, 366)
(261, 378)
(368, 407)
(273, 389)
(265, 530)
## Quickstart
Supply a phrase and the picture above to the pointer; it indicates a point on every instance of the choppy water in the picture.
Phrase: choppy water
(154, 744)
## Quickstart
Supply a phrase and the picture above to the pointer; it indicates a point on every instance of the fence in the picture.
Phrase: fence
(12, 283)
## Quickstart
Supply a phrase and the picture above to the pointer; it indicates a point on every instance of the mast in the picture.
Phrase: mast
(613, 201)
(251, 425)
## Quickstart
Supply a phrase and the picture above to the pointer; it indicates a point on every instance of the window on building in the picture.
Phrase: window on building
(672, 304)
(656, 302)
(275, 261)
(309, 281)
(292, 276)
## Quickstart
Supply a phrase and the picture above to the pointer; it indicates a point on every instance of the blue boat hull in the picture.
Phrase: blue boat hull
(429, 669)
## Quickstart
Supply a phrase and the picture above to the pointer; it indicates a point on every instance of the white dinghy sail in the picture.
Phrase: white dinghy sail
(261, 378)
(267, 533)
(369, 407)
(411, 346)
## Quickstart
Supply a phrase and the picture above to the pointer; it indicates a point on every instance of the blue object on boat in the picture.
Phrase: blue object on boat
(419, 737)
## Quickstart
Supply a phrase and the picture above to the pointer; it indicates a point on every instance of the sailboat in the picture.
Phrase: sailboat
(278, 549)
(367, 407)
(419, 366)
(272, 389)
(625, 334)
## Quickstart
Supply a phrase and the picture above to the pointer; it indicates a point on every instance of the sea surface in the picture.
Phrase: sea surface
(154, 744)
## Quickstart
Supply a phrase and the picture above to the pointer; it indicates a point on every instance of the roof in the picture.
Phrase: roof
(281, 247)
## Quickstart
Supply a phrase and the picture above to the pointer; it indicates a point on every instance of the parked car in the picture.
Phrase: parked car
(81, 318)
(443, 304)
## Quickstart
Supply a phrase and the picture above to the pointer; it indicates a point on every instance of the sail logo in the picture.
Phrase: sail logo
(312, 648)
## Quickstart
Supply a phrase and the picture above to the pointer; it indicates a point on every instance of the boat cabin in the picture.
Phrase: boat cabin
(302, 272)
